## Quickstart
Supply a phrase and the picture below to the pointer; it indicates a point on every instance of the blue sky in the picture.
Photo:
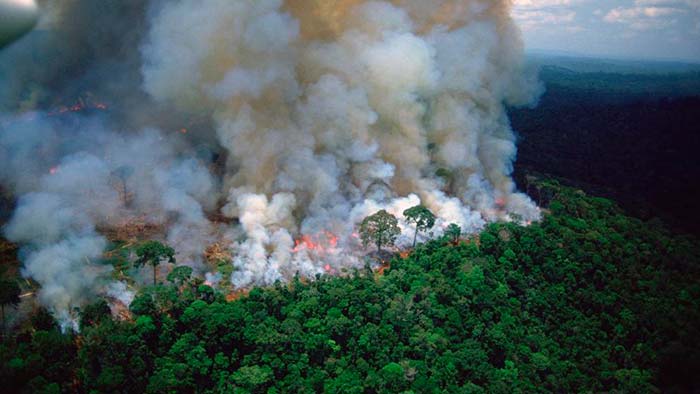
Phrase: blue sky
(641, 29)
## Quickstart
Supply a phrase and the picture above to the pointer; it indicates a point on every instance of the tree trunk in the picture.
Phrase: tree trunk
(2, 306)
(154, 274)
(126, 194)
(379, 246)
(415, 235)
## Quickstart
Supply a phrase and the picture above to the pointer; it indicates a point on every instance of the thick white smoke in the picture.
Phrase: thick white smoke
(349, 107)
(308, 116)
(75, 199)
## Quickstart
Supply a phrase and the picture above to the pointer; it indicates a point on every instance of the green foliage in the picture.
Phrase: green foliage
(42, 320)
(9, 295)
(117, 255)
(143, 305)
(252, 378)
(393, 374)
(587, 300)
(94, 313)
(9, 292)
(381, 228)
(422, 217)
(180, 275)
(153, 253)
(206, 293)
(453, 232)
(648, 120)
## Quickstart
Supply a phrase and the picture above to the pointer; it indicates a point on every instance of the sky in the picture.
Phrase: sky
(637, 29)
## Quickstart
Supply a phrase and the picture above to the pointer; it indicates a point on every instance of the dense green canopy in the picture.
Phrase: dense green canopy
(588, 300)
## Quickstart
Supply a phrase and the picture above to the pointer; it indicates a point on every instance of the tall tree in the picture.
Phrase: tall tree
(9, 295)
(382, 228)
(422, 217)
(154, 253)
(122, 175)
(453, 232)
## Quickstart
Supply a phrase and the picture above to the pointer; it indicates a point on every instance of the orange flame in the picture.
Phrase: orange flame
(237, 294)
(319, 243)
(54, 170)
(79, 106)
(500, 202)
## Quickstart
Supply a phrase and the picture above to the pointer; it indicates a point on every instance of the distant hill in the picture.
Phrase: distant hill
(581, 64)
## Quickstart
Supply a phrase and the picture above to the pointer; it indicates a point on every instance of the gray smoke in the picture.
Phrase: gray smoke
(291, 119)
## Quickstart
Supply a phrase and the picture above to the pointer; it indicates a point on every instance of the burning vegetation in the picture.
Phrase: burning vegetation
(255, 137)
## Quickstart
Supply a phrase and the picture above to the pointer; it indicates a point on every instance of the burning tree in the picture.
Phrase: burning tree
(422, 217)
(382, 228)
(154, 253)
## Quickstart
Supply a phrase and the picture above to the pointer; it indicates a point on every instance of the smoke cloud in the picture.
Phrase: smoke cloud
(272, 127)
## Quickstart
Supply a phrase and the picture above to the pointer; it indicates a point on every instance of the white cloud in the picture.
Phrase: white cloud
(634, 28)
(541, 3)
(695, 4)
(643, 18)
(544, 17)
(534, 14)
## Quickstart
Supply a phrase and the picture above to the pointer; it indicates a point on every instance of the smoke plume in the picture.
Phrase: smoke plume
(272, 127)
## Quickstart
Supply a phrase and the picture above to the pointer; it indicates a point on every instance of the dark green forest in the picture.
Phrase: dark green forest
(597, 297)
(587, 300)
(619, 132)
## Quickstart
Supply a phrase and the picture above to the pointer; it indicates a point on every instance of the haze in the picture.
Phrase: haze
(634, 29)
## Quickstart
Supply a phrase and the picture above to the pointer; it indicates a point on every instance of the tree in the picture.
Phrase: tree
(42, 320)
(154, 253)
(94, 313)
(382, 228)
(252, 377)
(180, 275)
(143, 304)
(122, 175)
(422, 217)
(453, 232)
(206, 293)
(9, 295)
(393, 376)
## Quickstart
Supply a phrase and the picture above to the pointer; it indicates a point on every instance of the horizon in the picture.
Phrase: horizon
(646, 30)
(554, 53)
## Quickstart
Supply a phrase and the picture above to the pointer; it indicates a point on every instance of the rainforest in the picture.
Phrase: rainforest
(587, 300)
(346, 196)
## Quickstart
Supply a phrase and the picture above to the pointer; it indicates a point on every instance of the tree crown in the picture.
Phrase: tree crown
(381, 228)
(421, 216)
(154, 253)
